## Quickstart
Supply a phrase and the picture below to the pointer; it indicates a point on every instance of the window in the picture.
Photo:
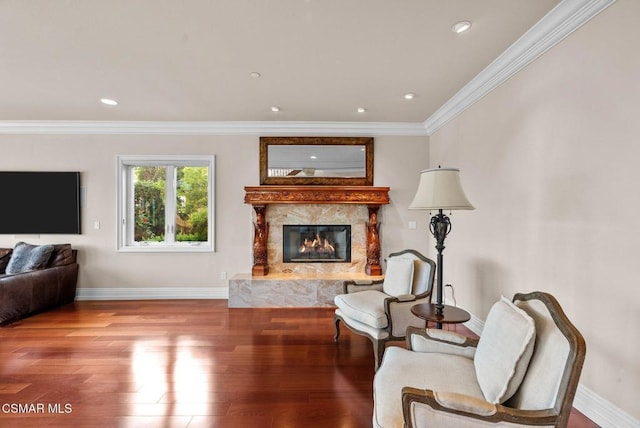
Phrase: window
(165, 203)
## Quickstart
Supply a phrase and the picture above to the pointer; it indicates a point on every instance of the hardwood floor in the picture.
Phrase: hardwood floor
(185, 363)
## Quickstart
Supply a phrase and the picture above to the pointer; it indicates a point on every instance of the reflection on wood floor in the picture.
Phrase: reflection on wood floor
(185, 363)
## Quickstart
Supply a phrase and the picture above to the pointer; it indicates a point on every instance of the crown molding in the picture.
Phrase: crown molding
(560, 22)
(214, 128)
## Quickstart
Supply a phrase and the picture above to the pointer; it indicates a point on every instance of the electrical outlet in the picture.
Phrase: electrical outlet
(96, 225)
(223, 275)
(413, 225)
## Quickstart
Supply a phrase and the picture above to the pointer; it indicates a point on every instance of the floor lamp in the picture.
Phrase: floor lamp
(440, 189)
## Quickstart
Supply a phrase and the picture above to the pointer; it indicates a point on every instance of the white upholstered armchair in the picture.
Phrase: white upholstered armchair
(381, 310)
(523, 371)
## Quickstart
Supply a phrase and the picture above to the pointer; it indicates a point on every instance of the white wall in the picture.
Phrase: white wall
(550, 161)
(397, 163)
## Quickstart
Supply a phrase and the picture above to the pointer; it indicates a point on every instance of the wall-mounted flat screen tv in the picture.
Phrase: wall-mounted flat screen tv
(39, 202)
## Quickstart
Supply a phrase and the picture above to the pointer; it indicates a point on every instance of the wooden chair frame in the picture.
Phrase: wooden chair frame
(557, 416)
(379, 343)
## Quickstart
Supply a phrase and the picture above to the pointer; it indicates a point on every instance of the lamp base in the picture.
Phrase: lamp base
(440, 226)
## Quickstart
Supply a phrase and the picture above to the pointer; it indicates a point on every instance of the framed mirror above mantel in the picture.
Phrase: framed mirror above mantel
(329, 161)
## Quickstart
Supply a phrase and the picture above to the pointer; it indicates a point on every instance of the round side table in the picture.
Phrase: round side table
(450, 314)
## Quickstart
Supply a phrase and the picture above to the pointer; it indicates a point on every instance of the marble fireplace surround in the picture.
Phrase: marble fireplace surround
(274, 283)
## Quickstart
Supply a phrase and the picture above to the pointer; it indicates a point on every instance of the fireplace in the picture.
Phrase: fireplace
(311, 205)
(316, 243)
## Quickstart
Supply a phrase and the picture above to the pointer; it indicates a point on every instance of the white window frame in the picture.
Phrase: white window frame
(125, 223)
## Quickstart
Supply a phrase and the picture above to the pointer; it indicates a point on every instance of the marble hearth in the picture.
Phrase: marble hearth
(289, 290)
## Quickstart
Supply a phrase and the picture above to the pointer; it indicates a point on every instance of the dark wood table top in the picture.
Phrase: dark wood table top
(450, 314)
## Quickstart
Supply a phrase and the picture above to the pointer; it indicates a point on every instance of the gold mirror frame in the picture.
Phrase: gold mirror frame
(367, 142)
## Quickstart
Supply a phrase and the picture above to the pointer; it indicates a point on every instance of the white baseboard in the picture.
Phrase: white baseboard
(152, 293)
(601, 411)
(590, 404)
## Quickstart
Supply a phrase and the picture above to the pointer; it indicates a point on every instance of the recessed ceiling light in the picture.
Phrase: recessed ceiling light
(409, 96)
(313, 157)
(254, 74)
(275, 109)
(361, 110)
(461, 27)
(108, 101)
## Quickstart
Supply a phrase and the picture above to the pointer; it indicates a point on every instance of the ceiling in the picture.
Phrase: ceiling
(191, 60)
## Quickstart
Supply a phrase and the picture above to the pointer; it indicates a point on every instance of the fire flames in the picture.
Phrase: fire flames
(318, 246)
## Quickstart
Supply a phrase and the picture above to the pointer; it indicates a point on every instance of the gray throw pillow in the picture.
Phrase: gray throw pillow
(26, 257)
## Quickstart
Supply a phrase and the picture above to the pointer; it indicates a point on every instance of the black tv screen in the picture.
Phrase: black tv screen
(40, 202)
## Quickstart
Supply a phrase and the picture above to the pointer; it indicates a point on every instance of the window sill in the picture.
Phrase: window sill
(205, 248)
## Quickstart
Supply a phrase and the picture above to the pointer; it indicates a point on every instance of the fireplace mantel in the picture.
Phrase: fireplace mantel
(261, 196)
(364, 195)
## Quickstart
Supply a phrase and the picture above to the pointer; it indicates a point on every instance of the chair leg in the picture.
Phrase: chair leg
(337, 324)
(378, 350)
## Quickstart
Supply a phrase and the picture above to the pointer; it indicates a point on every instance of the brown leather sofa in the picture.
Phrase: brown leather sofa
(30, 292)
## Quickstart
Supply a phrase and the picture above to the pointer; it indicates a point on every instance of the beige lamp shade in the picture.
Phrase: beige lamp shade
(440, 188)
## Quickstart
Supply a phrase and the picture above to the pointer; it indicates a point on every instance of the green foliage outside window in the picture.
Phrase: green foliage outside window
(191, 204)
(191, 201)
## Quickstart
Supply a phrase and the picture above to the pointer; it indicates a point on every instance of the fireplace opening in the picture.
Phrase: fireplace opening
(316, 243)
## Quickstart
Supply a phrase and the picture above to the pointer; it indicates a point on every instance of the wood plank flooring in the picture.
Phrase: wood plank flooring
(185, 363)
